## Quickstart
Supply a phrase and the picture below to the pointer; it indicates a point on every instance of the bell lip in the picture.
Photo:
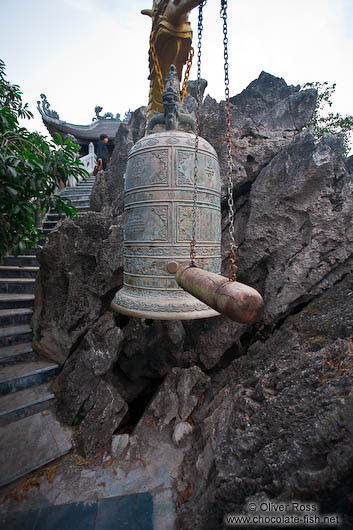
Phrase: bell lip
(164, 315)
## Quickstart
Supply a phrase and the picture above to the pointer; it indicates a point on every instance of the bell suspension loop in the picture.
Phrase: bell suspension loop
(197, 134)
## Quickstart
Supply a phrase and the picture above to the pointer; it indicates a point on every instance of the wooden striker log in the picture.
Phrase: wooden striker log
(237, 301)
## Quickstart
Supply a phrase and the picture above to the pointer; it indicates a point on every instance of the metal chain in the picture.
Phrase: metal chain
(157, 67)
(197, 134)
(233, 247)
(187, 74)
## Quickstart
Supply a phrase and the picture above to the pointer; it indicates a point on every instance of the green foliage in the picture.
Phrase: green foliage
(31, 171)
(329, 122)
(80, 416)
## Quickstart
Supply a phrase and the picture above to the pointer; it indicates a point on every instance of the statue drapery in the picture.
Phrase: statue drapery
(171, 36)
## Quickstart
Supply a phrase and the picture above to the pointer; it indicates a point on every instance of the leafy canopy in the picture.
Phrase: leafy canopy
(329, 123)
(31, 172)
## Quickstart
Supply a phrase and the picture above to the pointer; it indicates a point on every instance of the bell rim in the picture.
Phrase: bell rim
(165, 315)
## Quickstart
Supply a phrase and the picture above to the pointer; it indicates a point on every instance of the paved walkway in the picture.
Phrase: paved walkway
(125, 512)
(110, 491)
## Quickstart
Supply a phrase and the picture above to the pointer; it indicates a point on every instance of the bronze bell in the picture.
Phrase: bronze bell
(158, 203)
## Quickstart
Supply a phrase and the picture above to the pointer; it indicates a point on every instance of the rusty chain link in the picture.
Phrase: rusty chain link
(233, 247)
(197, 134)
(187, 74)
(157, 67)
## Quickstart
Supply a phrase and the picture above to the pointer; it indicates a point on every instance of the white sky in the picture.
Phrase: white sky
(83, 53)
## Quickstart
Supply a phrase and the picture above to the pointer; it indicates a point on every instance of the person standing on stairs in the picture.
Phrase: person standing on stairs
(102, 151)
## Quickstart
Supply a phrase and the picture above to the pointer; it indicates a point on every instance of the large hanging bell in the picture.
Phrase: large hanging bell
(158, 204)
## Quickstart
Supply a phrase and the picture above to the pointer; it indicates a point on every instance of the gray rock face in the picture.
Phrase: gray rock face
(299, 237)
(81, 268)
(264, 118)
(279, 421)
(105, 410)
(177, 398)
(93, 358)
(260, 411)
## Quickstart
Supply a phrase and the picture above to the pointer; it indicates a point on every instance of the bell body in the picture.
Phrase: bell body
(158, 207)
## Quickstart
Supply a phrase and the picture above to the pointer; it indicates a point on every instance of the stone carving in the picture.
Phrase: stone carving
(106, 116)
(44, 108)
(172, 116)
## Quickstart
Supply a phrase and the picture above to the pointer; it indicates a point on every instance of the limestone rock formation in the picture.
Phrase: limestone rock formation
(177, 398)
(279, 422)
(104, 411)
(298, 238)
(80, 270)
(261, 411)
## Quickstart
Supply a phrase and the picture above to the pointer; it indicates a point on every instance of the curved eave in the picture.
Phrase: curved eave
(83, 133)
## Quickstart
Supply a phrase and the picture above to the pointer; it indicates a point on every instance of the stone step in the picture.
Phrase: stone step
(23, 260)
(10, 335)
(15, 317)
(18, 405)
(49, 224)
(33, 250)
(54, 217)
(84, 185)
(80, 202)
(77, 192)
(17, 285)
(18, 271)
(30, 443)
(12, 301)
(87, 182)
(79, 199)
(78, 189)
(47, 231)
(17, 353)
(24, 375)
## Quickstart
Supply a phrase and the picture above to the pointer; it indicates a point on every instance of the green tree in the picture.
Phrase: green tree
(31, 170)
(329, 122)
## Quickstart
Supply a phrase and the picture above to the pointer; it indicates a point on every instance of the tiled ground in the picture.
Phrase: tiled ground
(109, 489)
(125, 512)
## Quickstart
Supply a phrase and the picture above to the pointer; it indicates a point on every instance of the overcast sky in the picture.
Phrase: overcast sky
(83, 53)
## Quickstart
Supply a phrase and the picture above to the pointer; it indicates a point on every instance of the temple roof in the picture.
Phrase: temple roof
(84, 134)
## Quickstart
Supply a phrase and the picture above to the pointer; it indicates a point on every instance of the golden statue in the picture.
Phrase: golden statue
(170, 43)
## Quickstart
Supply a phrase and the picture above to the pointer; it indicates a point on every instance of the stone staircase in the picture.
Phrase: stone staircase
(29, 432)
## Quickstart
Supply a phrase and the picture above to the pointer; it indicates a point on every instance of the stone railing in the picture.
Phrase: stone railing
(88, 162)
